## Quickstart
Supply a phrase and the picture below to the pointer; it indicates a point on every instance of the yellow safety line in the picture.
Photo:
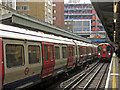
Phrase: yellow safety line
(114, 77)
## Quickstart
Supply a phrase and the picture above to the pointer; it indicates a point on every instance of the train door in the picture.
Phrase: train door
(81, 54)
(48, 59)
(1, 64)
(34, 58)
(70, 56)
(104, 52)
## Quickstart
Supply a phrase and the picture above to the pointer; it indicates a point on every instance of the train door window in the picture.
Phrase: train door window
(14, 55)
(72, 50)
(76, 50)
(104, 50)
(46, 52)
(57, 52)
(51, 53)
(33, 54)
(64, 52)
(99, 49)
(69, 50)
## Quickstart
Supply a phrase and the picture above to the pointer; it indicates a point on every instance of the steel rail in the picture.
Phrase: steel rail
(92, 78)
(77, 79)
(73, 87)
(101, 78)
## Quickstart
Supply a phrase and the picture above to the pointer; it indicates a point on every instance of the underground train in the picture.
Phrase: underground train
(27, 56)
(105, 52)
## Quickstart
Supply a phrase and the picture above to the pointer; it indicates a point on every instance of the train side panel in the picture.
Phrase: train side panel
(60, 59)
(22, 63)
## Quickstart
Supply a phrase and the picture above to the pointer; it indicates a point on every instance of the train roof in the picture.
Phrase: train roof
(104, 43)
(25, 34)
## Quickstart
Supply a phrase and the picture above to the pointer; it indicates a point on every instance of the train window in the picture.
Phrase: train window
(51, 53)
(14, 55)
(80, 50)
(108, 49)
(33, 54)
(84, 50)
(104, 50)
(69, 51)
(57, 52)
(64, 52)
(90, 51)
(76, 49)
(46, 52)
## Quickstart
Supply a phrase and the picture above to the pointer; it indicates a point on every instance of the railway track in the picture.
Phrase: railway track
(92, 78)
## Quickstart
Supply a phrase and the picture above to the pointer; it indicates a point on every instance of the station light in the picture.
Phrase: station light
(115, 20)
(115, 7)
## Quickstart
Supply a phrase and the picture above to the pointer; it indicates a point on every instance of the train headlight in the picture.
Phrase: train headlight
(99, 54)
(109, 53)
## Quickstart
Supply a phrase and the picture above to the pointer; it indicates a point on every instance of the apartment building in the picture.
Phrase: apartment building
(49, 11)
(58, 13)
(8, 4)
(85, 20)
(34, 9)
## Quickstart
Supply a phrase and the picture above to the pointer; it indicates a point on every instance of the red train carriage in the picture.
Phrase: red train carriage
(104, 52)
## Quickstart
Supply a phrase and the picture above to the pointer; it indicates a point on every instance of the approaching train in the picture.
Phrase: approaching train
(104, 52)
(26, 57)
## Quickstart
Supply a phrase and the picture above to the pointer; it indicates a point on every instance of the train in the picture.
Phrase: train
(27, 57)
(105, 52)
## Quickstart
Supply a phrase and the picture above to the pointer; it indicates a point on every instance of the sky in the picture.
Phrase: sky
(81, 1)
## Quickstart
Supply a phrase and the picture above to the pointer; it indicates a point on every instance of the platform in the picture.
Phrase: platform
(113, 79)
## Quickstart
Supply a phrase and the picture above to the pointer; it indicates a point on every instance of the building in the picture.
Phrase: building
(85, 21)
(34, 9)
(40, 10)
(49, 11)
(8, 4)
(58, 14)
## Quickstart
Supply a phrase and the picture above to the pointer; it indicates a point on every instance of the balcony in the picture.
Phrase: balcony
(66, 9)
(71, 14)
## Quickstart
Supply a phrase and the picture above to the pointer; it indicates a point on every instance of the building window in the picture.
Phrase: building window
(25, 8)
(45, 4)
(49, 18)
(18, 8)
(49, 10)
(22, 0)
(54, 5)
(54, 11)
(45, 13)
(46, 20)
(49, 2)
(54, 18)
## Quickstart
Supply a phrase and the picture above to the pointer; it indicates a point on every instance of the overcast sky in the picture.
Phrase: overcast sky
(81, 1)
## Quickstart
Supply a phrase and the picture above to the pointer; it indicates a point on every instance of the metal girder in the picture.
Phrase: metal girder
(37, 25)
